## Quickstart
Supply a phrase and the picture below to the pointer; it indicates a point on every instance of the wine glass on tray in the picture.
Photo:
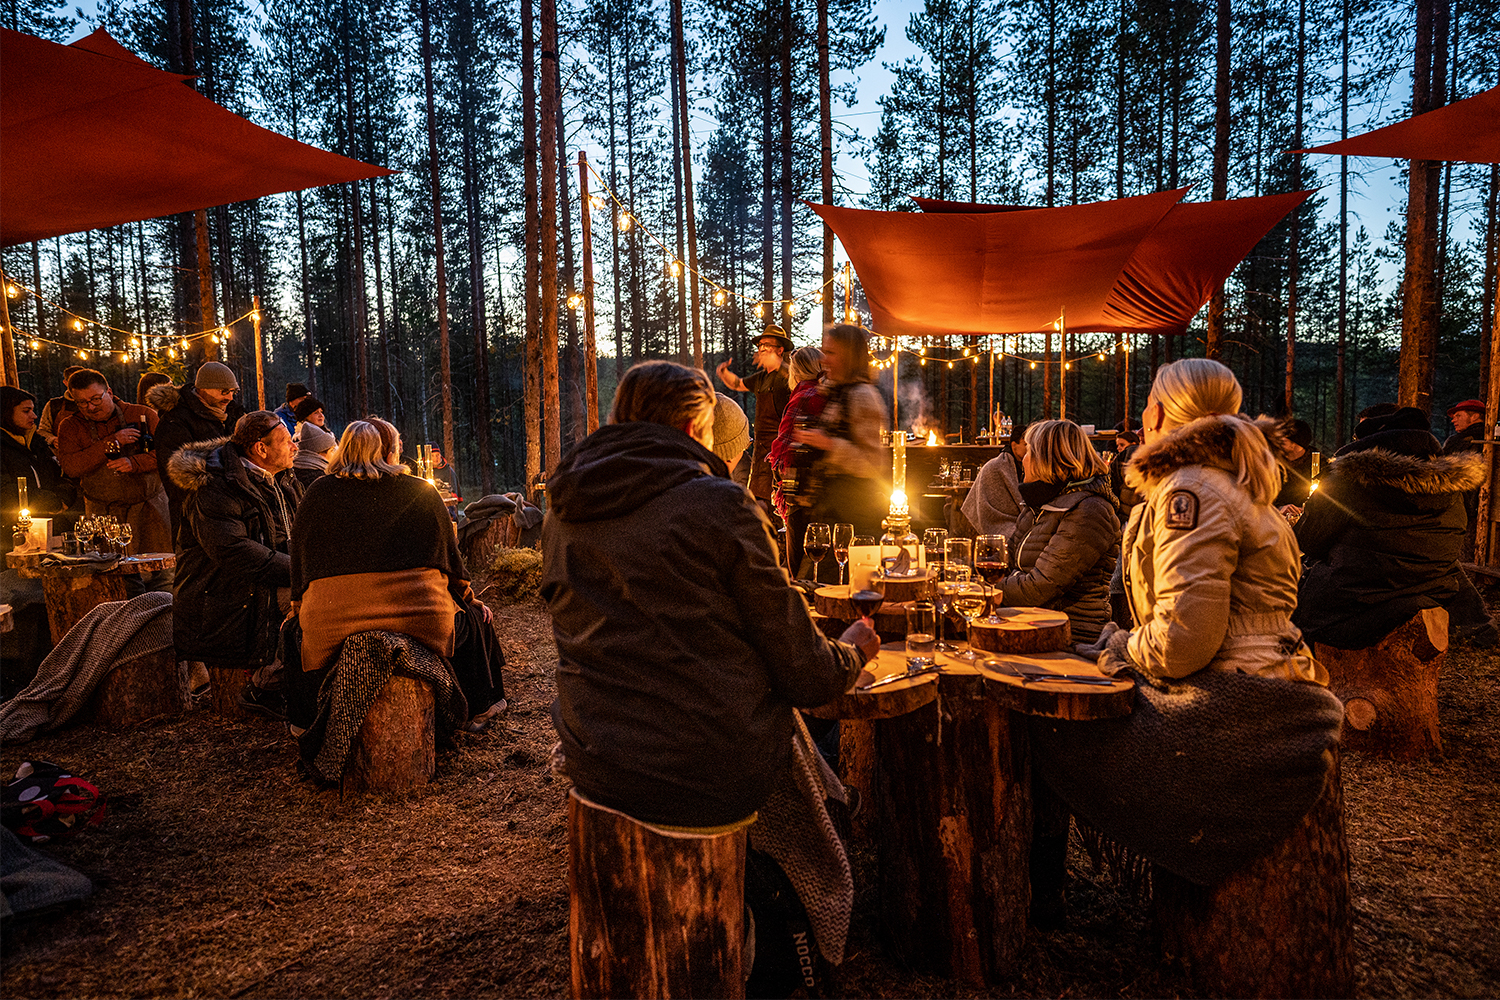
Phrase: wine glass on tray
(992, 561)
(124, 533)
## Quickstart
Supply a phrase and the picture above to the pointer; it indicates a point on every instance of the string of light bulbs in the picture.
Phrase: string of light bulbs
(214, 334)
(975, 355)
(625, 219)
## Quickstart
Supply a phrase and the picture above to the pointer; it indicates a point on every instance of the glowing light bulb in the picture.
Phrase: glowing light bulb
(850, 316)
(675, 268)
(12, 291)
(623, 220)
(818, 297)
(171, 353)
(78, 324)
(922, 361)
(950, 364)
(36, 345)
(1067, 366)
(83, 354)
(183, 343)
(596, 202)
(719, 297)
(966, 352)
(213, 340)
(124, 357)
(1033, 364)
(135, 341)
(1101, 355)
(760, 310)
(790, 308)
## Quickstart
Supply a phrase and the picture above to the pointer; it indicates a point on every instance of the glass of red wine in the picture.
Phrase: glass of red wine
(843, 537)
(991, 562)
(867, 602)
(817, 542)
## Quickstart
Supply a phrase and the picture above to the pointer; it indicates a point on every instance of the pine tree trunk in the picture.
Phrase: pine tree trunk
(1214, 334)
(481, 409)
(788, 160)
(685, 103)
(357, 296)
(533, 372)
(825, 129)
(1289, 402)
(679, 140)
(551, 412)
(444, 359)
(1419, 304)
(574, 379)
(1343, 334)
(614, 227)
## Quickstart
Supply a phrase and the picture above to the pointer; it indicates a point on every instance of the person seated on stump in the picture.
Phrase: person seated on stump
(1384, 532)
(1232, 736)
(1068, 537)
(682, 647)
(233, 567)
(373, 549)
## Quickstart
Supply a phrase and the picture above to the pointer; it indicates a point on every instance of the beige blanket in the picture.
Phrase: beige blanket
(413, 602)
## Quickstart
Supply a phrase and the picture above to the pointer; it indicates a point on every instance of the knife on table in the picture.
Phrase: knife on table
(1006, 667)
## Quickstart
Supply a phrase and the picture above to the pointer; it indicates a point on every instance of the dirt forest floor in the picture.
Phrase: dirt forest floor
(220, 873)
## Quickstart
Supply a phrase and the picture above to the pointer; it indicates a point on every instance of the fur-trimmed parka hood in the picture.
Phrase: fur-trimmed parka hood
(164, 397)
(1413, 474)
(1206, 441)
(193, 464)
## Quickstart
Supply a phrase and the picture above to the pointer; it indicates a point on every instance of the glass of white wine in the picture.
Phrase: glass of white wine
(970, 599)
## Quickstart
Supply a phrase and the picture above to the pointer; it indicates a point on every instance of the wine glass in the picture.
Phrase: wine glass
(124, 534)
(969, 599)
(843, 537)
(867, 602)
(959, 552)
(952, 578)
(991, 560)
(817, 541)
(934, 544)
(111, 534)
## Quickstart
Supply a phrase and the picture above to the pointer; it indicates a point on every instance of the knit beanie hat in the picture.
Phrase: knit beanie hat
(731, 428)
(295, 391)
(306, 407)
(311, 437)
(213, 375)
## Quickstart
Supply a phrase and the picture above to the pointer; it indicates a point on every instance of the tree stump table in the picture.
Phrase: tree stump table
(1280, 926)
(72, 590)
(148, 687)
(652, 912)
(397, 746)
(833, 602)
(1389, 690)
(949, 764)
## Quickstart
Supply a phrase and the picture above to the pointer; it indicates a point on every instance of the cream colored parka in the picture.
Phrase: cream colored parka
(1211, 575)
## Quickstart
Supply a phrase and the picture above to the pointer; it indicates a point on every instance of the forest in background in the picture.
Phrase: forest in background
(1035, 102)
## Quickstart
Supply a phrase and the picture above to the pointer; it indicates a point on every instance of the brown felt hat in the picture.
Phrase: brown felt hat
(1471, 405)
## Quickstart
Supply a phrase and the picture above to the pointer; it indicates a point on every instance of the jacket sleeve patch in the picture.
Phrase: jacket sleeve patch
(1182, 510)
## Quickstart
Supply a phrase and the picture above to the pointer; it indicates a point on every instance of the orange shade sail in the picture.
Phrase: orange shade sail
(1467, 131)
(1123, 265)
(94, 136)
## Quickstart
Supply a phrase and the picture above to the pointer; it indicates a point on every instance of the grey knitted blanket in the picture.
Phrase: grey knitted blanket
(366, 661)
(1208, 773)
(994, 504)
(29, 880)
(112, 633)
(794, 828)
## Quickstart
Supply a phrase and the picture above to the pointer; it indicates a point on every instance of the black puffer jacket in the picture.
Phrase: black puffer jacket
(48, 491)
(682, 647)
(184, 420)
(1382, 537)
(1064, 554)
(230, 560)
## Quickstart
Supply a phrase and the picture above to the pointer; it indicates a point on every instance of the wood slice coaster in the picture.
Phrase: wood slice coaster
(888, 700)
(1056, 699)
(396, 750)
(148, 687)
(909, 588)
(833, 602)
(1022, 630)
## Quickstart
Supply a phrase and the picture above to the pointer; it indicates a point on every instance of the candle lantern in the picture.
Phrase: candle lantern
(899, 552)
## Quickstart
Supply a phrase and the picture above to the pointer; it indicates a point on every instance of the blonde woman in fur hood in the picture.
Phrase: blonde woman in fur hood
(1211, 567)
(1384, 532)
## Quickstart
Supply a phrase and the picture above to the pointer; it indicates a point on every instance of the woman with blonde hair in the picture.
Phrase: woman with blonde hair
(1068, 535)
(1232, 737)
(373, 549)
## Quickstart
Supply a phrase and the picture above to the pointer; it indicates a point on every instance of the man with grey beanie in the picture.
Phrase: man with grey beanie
(204, 411)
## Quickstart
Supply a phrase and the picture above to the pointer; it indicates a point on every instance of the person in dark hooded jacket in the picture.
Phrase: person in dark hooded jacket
(1383, 532)
(201, 412)
(682, 647)
(234, 571)
(1067, 539)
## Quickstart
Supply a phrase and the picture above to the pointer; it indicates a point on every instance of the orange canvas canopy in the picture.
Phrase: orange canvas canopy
(1467, 130)
(94, 137)
(1136, 265)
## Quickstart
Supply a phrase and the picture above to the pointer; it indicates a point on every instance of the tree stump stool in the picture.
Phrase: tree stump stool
(148, 687)
(953, 850)
(480, 547)
(1279, 927)
(71, 594)
(653, 913)
(397, 747)
(224, 687)
(1389, 690)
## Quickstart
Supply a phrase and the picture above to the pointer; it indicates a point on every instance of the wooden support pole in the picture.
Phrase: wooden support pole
(590, 348)
(12, 371)
(1062, 376)
(1483, 530)
(260, 355)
